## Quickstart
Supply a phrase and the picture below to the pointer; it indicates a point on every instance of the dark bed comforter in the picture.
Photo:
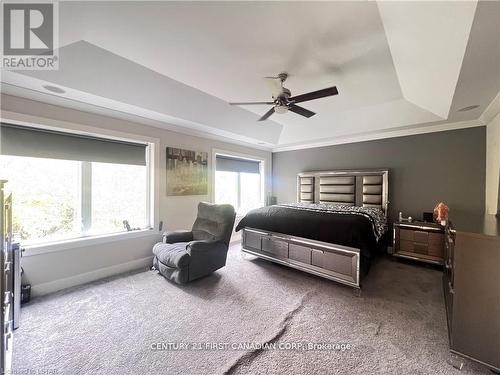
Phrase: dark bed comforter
(357, 227)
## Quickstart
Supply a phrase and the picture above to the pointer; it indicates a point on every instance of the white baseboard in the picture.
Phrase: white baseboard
(83, 278)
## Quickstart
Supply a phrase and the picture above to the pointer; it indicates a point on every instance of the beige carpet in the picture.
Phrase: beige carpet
(397, 326)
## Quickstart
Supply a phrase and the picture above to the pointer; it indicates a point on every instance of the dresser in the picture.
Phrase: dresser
(6, 284)
(471, 282)
(419, 241)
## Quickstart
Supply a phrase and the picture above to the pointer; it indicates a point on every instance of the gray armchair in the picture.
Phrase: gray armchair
(188, 255)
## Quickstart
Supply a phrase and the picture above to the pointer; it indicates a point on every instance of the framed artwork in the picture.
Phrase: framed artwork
(187, 172)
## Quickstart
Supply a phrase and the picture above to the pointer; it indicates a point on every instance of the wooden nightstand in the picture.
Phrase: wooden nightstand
(419, 241)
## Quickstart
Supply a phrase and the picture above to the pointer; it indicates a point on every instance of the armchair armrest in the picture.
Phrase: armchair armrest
(205, 246)
(178, 236)
(206, 256)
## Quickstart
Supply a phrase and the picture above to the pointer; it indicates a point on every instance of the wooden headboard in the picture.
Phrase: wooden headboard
(366, 188)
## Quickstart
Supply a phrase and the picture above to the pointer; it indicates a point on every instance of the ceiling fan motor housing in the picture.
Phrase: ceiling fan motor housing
(284, 95)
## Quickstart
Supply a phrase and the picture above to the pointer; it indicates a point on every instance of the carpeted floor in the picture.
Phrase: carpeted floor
(116, 326)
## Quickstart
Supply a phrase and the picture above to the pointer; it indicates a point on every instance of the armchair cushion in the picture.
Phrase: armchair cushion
(172, 255)
(214, 222)
(179, 236)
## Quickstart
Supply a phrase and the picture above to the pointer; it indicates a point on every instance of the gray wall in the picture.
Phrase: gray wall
(424, 169)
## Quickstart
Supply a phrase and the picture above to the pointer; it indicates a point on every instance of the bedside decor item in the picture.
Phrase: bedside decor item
(402, 219)
(441, 213)
(428, 217)
(187, 172)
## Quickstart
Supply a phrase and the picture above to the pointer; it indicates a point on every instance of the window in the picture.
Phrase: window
(118, 193)
(238, 182)
(227, 188)
(250, 192)
(46, 197)
(58, 198)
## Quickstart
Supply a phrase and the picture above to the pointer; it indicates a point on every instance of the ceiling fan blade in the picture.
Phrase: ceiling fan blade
(252, 103)
(267, 114)
(301, 111)
(314, 95)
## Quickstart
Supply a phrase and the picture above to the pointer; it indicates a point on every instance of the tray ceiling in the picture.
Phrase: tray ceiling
(399, 66)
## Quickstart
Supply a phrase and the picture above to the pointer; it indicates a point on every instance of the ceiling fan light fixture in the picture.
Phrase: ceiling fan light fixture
(280, 109)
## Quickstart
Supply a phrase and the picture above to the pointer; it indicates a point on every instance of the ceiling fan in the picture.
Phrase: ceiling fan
(283, 101)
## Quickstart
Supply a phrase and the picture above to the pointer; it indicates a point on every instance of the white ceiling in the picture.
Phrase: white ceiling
(398, 66)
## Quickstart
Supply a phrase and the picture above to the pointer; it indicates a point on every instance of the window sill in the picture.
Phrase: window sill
(51, 247)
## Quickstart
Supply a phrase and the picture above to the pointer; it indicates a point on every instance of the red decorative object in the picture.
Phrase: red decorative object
(441, 212)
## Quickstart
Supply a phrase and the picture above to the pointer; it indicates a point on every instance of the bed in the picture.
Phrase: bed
(331, 231)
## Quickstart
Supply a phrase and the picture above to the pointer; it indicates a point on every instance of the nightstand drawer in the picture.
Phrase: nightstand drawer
(406, 234)
(436, 239)
(420, 248)
(419, 236)
(413, 247)
(405, 245)
(436, 250)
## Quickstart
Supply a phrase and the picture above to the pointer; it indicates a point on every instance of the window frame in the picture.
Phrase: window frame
(152, 159)
(262, 172)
